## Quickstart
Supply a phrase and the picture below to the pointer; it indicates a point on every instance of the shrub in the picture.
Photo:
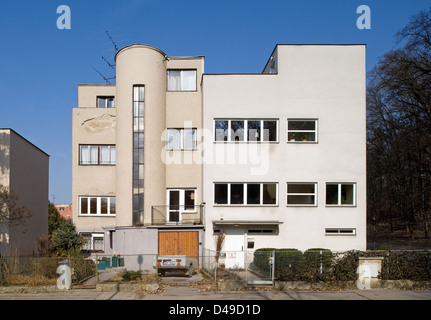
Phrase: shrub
(318, 264)
(130, 275)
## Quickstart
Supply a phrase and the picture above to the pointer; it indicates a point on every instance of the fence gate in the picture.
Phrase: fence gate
(259, 267)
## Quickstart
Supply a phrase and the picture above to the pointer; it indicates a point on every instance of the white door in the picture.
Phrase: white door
(234, 248)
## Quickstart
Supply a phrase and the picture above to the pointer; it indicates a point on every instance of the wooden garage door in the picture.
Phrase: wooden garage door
(178, 243)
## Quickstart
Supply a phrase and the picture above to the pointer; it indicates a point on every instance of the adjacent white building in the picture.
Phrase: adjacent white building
(286, 163)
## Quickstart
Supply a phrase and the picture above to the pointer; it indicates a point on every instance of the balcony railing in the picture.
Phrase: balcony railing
(184, 215)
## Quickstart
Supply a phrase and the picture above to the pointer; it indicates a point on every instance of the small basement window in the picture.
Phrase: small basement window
(340, 231)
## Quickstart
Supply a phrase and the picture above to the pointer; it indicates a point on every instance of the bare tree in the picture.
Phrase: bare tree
(399, 131)
(11, 213)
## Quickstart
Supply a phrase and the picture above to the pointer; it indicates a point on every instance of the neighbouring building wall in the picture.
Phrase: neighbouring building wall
(324, 83)
(29, 179)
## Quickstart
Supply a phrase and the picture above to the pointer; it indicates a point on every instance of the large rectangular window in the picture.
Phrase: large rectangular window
(100, 206)
(340, 194)
(245, 193)
(302, 130)
(181, 80)
(240, 130)
(181, 139)
(301, 194)
(97, 154)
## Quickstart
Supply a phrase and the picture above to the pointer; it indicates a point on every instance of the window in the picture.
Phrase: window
(105, 102)
(340, 231)
(93, 241)
(301, 194)
(301, 130)
(245, 193)
(245, 130)
(181, 139)
(340, 194)
(100, 206)
(181, 80)
(138, 153)
(97, 154)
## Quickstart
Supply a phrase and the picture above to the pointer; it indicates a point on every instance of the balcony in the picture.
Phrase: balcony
(177, 215)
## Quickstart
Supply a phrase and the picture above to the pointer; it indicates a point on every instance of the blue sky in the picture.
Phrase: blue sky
(41, 65)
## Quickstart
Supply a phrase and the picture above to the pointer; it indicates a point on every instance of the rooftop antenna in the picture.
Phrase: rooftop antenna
(107, 80)
(112, 66)
(115, 45)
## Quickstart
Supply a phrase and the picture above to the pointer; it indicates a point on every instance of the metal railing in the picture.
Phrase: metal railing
(180, 215)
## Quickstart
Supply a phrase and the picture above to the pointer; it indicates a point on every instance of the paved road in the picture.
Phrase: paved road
(193, 294)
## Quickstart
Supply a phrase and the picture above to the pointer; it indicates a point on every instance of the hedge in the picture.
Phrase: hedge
(323, 265)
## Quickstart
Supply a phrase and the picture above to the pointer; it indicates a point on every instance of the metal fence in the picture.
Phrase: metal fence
(264, 267)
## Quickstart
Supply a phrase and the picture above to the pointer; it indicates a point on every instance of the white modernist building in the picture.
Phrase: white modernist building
(275, 159)
(285, 157)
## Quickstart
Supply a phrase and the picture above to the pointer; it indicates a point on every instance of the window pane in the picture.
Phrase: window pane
(189, 199)
(101, 102)
(188, 80)
(84, 155)
(236, 193)
(237, 128)
(253, 130)
(104, 205)
(302, 125)
(253, 193)
(300, 188)
(174, 200)
(93, 205)
(300, 199)
(112, 205)
(220, 193)
(189, 136)
(104, 155)
(113, 151)
(269, 193)
(110, 103)
(84, 205)
(174, 139)
(269, 130)
(332, 194)
(94, 155)
(221, 130)
(347, 194)
(174, 80)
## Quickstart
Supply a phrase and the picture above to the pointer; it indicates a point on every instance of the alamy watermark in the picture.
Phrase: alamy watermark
(205, 151)
(364, 20)
(64, 21)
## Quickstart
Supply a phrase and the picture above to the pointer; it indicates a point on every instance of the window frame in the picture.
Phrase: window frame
(106, 101)
(181, 80)
(339, 194)
(245, 194)
(246, 131)
(99, 155)
(301, 194)
(98, 206)
(315, 131)
(182, 141)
